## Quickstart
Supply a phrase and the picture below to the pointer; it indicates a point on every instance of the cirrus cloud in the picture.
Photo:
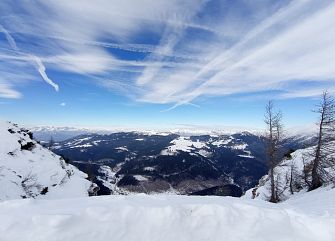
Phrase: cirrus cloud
(181, 49)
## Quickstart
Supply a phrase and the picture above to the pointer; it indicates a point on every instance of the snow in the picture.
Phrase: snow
(168, 217)
(121, 148)
(183, 144)
(240, 146)
(140, 178)
(150, 169)
(306, 216)
(25, 173)
(282, 171)
(78, 143)
(82, 146)
(246, 156)
(204, 153)
(109, 178)
(247, 153)
(317, 202)
(97, 142)
(222, 142)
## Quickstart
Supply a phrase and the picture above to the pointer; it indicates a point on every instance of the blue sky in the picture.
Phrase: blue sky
(154, 63)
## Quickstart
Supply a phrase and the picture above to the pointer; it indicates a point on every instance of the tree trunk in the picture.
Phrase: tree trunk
(273, 197)
(316, 182)
(273, 121)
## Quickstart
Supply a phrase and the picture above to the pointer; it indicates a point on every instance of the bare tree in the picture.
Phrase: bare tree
(89, 171)
(322, 156)
(273, 120)
(291, 178)
(51, 142)
(30, 185)
(307, 168)
(296, 178)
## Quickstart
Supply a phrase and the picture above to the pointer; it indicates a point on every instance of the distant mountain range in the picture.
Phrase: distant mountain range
(45, 133)
(126, 162)
(57, 133)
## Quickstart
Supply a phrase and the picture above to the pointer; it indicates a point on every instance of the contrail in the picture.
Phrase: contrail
(41, 69)
(37, 61)
(9, 38)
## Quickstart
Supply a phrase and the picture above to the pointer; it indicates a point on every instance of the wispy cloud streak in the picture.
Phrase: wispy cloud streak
(36, 60)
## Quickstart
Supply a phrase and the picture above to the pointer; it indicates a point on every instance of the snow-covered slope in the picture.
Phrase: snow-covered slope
(29, 170)
(291, 175)
(167, 218)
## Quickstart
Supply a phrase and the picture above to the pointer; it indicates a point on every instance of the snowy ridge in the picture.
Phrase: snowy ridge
(169, 217)
(186, 144)
(28, 170)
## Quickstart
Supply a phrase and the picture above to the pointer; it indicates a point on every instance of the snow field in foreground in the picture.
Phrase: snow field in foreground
(169, 218)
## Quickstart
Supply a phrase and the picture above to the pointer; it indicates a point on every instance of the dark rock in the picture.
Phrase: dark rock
(224, 190)
(29, 146)
(44, 191)
(11, 131)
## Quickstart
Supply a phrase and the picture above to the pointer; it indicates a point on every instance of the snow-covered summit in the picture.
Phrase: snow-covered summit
(28, 170)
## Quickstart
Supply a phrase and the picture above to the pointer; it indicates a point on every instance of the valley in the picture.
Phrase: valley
(126, 162)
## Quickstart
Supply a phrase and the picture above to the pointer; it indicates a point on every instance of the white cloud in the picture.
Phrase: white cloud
(86, 22)
(289, 47)
(10, 80)
(267, 46)
(62, 104)
(7, 91)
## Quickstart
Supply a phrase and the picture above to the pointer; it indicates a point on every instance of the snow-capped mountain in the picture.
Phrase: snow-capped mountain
(45, 133)
(150, 163)
(61, 133)
(29, 170)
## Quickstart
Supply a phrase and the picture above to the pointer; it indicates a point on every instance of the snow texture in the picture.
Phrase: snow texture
(169, 217)
(28, 170)
(185, 144)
